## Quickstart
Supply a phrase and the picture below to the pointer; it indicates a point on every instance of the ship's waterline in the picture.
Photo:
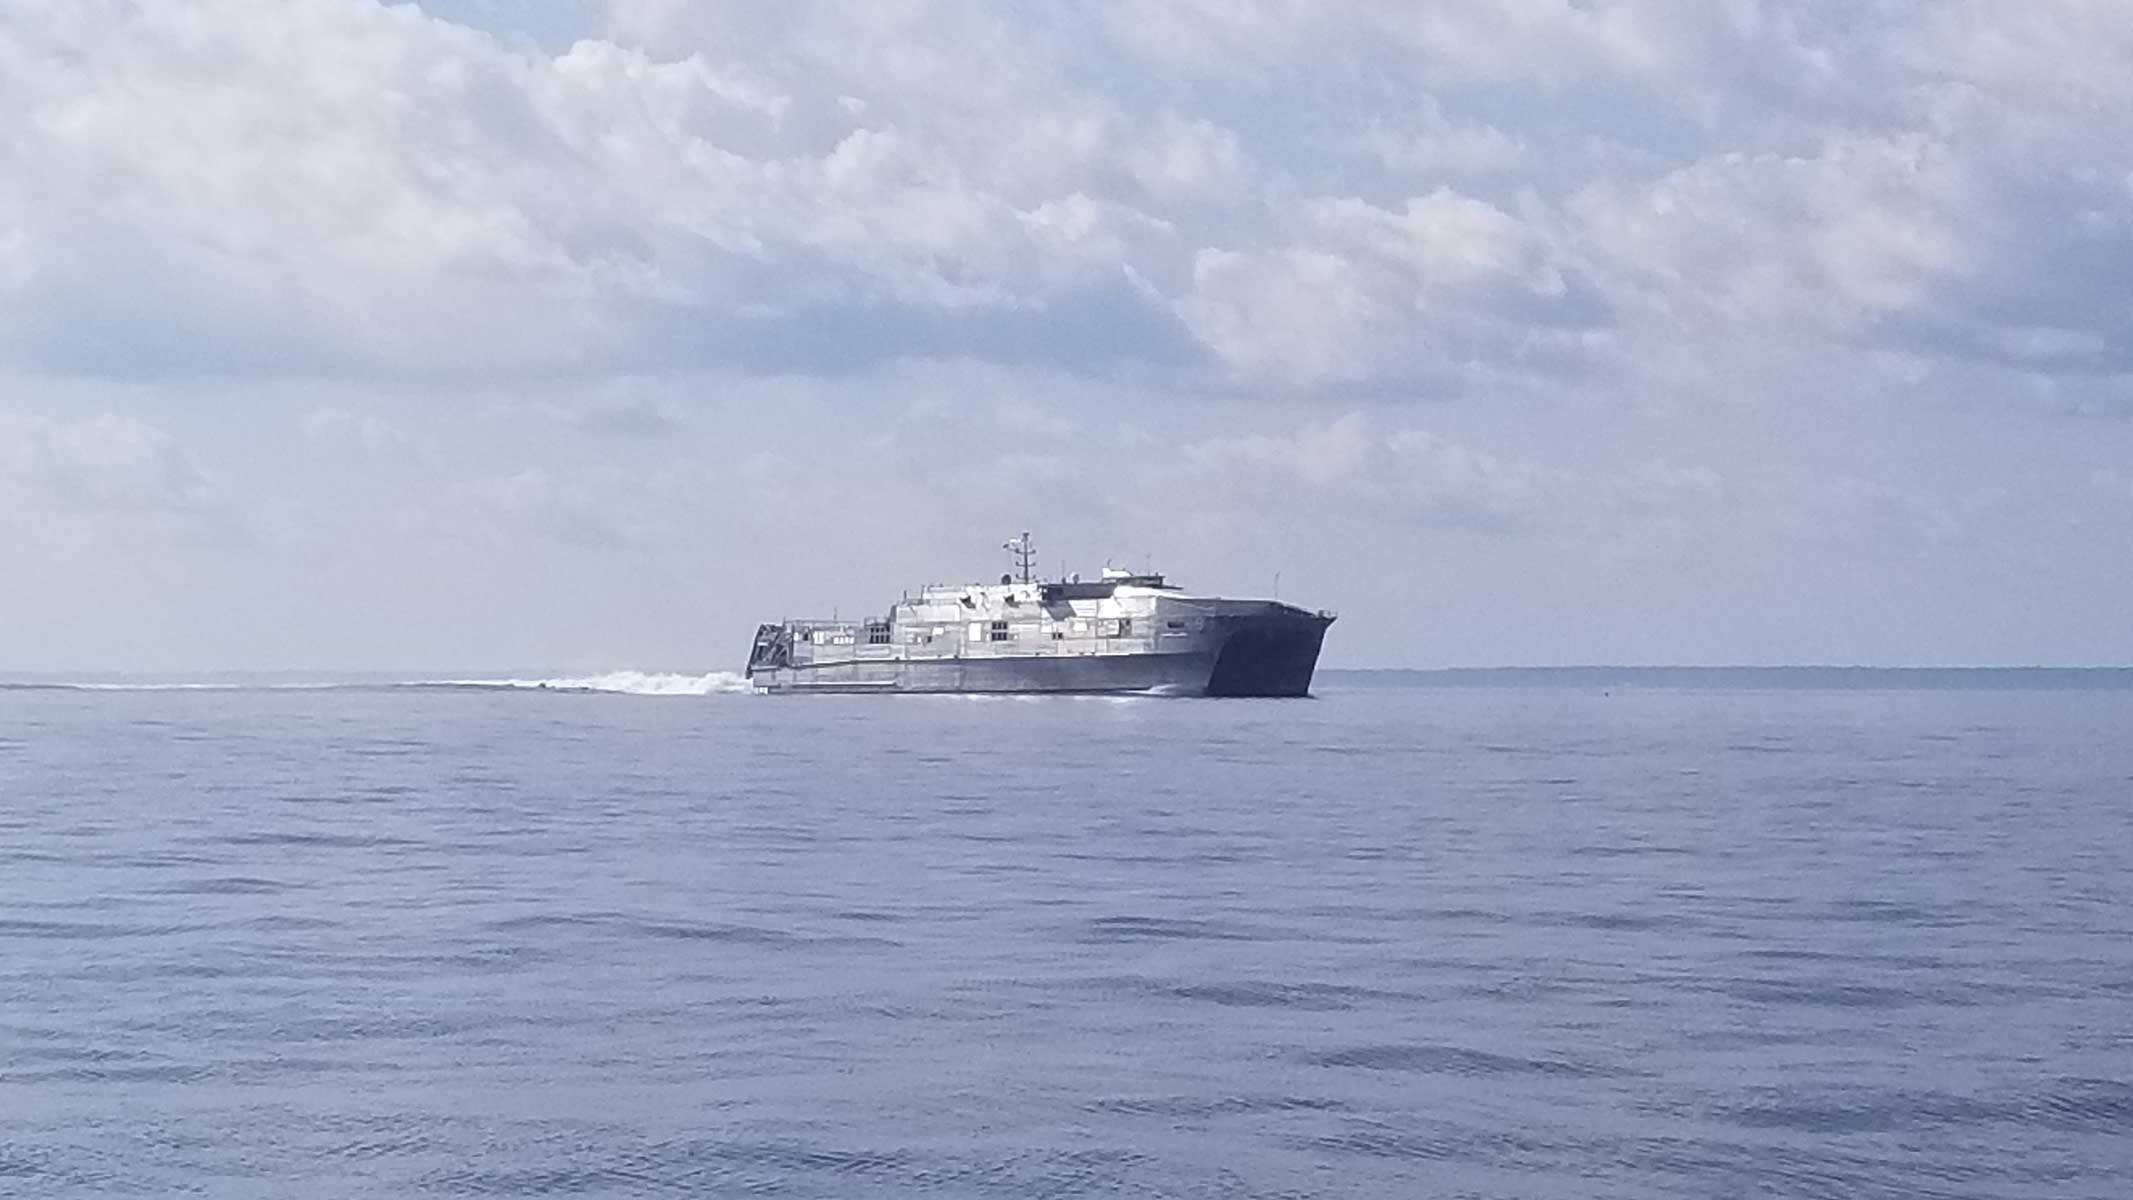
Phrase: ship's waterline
(1120, 633)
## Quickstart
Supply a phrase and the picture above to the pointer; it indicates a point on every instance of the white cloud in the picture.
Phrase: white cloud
(1024, 417)
(1444, 293)
(332, 186)
(107, 464)
(1555, 44)
(1191, 160)
(1849, 237)
(574, 511)
(1298, 315)
(1427, 142)
(367, 432)
(1410, 476)
(353, 187)
(627, 406)
(1441, 239)
(2112, 482)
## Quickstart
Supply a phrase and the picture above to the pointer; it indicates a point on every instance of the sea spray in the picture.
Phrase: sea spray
(630, 683)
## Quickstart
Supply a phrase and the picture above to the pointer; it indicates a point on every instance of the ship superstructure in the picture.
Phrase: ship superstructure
(1122, 632)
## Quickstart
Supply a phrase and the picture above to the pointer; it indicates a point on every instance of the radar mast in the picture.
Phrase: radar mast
(1025, 552)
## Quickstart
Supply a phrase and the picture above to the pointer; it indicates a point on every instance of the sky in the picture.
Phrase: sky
(588, 333)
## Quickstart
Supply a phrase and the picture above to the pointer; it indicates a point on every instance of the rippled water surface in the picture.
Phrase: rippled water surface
(1391, 941)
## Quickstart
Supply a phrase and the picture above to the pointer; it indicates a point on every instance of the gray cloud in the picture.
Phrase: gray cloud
(1410, 476)
(107, 464)
(353, 189)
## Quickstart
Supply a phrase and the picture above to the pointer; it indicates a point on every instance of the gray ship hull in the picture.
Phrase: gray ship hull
(1273, 652)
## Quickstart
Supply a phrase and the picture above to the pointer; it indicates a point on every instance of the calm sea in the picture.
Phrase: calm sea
(1559, 941)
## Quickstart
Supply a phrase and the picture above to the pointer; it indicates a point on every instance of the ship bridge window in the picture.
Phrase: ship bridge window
(999, 631)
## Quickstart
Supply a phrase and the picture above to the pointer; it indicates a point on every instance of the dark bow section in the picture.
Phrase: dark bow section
(1273, 654)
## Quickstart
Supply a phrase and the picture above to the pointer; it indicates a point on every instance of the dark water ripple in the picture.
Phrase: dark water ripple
(1520, 942)
(1448, 1060)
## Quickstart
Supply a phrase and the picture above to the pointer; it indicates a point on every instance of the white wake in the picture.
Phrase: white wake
(628, 683)
(623, 683)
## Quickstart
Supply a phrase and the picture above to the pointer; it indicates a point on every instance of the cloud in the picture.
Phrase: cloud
(576, 512)
(1024, 417)
(625, 407)
(2116, 484)
(1359, 480)
(1438, 293)
(1429, 143)
(1298, 314)
(112, 484)
(1410, 477)
(106, 465)
(1190, 159)
(330, 187)
(365, 432)
(335, 187)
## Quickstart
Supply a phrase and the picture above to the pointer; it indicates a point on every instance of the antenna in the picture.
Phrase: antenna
(1025, 552)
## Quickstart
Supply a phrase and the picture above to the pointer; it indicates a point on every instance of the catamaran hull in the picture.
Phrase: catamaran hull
(1260, 655)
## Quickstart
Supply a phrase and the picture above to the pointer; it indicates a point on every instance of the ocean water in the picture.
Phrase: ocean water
(1396, 940)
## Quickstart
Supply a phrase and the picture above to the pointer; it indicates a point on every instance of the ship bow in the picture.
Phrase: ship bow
(1270, 654)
